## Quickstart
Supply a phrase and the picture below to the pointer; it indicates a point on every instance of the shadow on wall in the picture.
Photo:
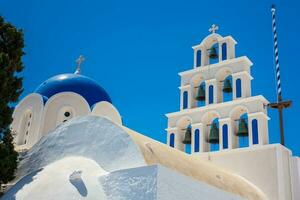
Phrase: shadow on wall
(76, 180)
(11, 194)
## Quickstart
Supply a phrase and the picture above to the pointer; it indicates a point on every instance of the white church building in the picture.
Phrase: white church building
(217, 143)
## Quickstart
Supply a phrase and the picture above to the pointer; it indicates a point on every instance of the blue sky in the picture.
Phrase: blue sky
(134, 49)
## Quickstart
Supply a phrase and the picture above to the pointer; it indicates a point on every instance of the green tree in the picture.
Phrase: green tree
(11, 52)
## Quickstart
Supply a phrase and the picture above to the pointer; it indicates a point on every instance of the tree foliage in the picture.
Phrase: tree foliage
(11, 52)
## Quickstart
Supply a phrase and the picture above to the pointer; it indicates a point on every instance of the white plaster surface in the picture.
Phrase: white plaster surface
(267, 167)
(296, 177)
(158, 182)
(90, 136)
(107, 110)
(53, 182)
(82, 178)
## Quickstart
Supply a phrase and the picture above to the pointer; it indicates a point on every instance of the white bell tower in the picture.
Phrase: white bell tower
(217, 111)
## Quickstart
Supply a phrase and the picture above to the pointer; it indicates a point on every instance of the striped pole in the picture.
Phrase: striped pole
(280, 105)
(279, 98)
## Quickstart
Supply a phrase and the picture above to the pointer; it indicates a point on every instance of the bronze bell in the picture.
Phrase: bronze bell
(214, 134)
(243, 128)
(213, 53)
(227, 86)
(188, 135)
(201, 93)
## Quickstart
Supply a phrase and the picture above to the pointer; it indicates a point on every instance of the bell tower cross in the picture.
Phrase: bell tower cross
(213, 28)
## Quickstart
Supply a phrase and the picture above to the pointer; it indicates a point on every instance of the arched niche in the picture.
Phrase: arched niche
(196, 82)
(208, 42)
(207, 120)
(172, 140)
(27, 117)
(224, 51)
(211, 94)
(238, 83)
(255, 137)
(236, 115)
(213, 146)
(107, 110)
(185, 100)
(221, 76)
(213, 50)
(58, 105)
(225, 136)
(198, 57)
(196, 140)
(182, 124)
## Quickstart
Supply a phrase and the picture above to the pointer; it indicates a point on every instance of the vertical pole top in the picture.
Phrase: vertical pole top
(273, 8)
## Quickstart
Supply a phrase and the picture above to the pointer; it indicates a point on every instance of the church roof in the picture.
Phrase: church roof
(82, 85)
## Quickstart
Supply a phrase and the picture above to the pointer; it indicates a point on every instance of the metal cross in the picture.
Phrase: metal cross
(213, 28)
(79, 61)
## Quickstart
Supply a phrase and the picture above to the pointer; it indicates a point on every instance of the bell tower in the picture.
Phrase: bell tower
(217, 111)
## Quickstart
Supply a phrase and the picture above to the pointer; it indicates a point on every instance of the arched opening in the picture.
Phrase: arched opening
(242, 131)
(238, 85)
(198, 58)
(172, 140)
(187, 140)
(200, 94)
(224, 84)
(197, 140)
(184, 132)
(227, 88)
(239, 117)
(225, 136)
(254, 131)
(224, 51)
(213, 53)
(213, 137)
(185, 99)
(211, 131)
(211, 94)
(198, 91)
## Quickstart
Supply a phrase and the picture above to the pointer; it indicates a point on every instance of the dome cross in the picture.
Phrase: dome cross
(79, 61)
(213, 28)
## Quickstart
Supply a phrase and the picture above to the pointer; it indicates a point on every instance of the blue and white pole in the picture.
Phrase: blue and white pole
(280, 105)
(273, 10)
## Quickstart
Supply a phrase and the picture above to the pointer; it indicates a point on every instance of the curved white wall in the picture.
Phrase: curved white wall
(27, 118)
(57, 104)
(32, 119)
(107, 110)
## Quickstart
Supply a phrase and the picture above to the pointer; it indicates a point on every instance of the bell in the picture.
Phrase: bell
(201, 93)
(214, 134)
(243, 128)
(213, 53)
(227, 86)
(188, 136)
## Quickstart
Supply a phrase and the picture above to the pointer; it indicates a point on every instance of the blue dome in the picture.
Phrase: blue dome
(86, 87)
